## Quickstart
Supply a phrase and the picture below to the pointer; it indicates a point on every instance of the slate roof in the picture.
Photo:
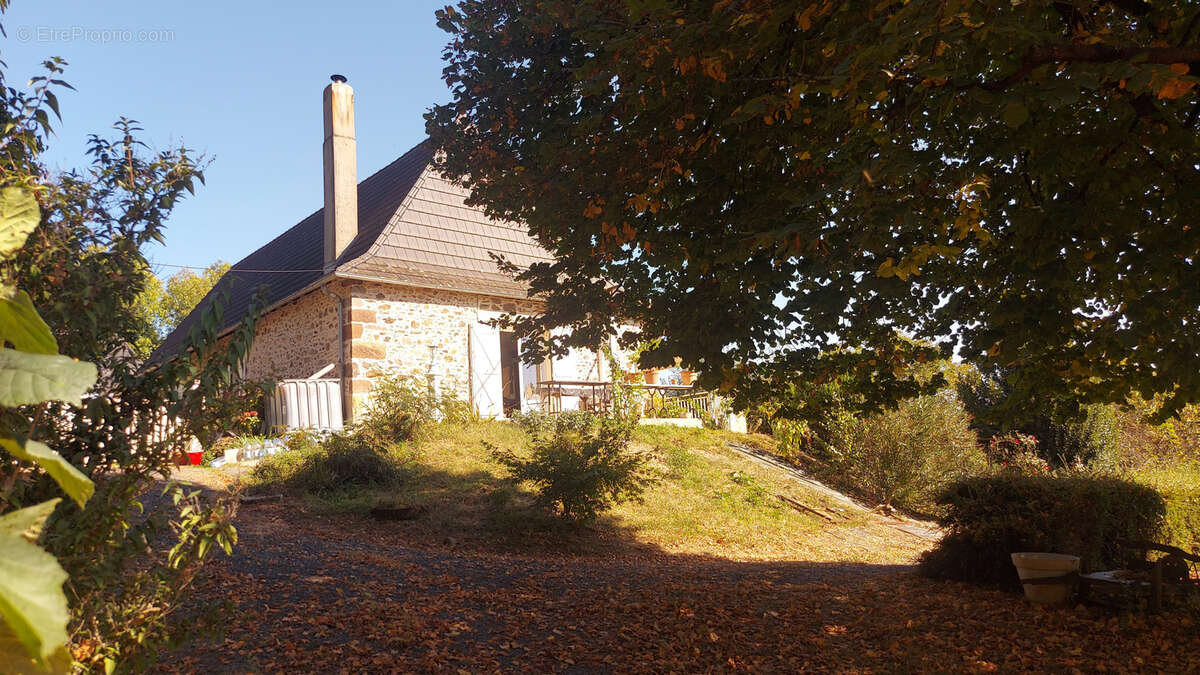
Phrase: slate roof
(413, 229)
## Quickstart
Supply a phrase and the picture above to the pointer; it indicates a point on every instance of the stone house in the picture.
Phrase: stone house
(392, 275)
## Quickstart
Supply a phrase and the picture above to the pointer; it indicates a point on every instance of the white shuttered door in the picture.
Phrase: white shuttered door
(487, 392)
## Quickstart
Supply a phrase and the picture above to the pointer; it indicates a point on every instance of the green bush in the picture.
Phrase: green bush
(400, 405)
(580, 464)
(337, 465)
(987, 518)
(1142, 440)
(906, 456)
(1178, 481)
(1065, 436)
(1091, 441)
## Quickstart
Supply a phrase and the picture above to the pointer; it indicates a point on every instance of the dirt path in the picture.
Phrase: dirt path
(337, 594)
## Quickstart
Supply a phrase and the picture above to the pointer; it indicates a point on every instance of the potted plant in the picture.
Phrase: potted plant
(635, 357)
(1057, 570)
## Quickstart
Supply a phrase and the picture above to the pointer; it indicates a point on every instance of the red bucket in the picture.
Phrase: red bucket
(196, 457)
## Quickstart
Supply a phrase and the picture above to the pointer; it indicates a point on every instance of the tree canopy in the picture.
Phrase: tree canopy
(1014, 180)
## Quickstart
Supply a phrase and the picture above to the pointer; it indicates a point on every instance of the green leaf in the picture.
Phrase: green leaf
(27, 522)
(31, 596)
(21, 325)
(32, 378)
(19, 214)
(71, 480)
(14, 660)
(1015, 114)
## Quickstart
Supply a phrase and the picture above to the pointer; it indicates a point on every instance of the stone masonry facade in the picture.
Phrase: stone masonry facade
(391, 329)
(388, 329)
(296, 340)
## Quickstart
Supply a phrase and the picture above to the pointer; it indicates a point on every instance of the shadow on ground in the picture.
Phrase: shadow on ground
(317, 592)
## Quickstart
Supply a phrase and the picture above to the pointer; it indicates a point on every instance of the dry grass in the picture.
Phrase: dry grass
(708, 501)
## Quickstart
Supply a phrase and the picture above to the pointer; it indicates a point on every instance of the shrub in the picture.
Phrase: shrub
(579, 464)
(1002, 448)
(988, 518)
(1178, 481)
(1066, 436)
(400, 405)
(903, 457)
(339, 464)
(1090, 441)
(1142, 440)
(672, 411)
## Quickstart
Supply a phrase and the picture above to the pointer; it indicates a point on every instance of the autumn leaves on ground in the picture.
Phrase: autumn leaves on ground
(710, 572)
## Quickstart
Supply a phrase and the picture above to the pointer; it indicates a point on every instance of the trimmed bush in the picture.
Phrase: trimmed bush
(988, 518)
(580, 464)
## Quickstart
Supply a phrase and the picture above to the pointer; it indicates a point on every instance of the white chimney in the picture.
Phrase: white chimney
(341, 172)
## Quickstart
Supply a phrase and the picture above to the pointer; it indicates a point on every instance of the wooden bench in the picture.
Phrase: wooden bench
(1171, 573)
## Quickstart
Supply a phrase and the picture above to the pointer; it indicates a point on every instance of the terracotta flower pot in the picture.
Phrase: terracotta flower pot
(651, 375)
(688, 376)
(633, 377)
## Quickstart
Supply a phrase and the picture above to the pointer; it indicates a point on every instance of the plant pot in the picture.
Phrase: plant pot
(651, 375)
(1031, 565)
(231, 455)
(195, 458)
(634, 377)
(688, 377)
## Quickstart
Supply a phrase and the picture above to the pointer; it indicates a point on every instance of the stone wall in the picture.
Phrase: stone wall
(296, 340)
(391, 330)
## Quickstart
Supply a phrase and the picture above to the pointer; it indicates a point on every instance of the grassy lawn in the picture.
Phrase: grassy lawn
(707, 500)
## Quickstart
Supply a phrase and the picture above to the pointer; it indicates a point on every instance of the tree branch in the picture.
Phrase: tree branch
(1044, 54)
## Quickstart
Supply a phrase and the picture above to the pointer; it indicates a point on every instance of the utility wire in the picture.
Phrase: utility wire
(231, 270)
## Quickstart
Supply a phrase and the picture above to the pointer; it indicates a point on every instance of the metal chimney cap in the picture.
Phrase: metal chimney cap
(337, 78)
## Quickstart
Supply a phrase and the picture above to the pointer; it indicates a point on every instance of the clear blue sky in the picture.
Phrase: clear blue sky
(240, 81)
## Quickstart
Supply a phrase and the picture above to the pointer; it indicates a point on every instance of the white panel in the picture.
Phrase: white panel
(320, 394)
(297, 404)
(291, 405)
(487, 392)
(335, 404)
(310, 392)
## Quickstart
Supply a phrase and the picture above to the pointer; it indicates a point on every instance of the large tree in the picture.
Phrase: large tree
(757, 180)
